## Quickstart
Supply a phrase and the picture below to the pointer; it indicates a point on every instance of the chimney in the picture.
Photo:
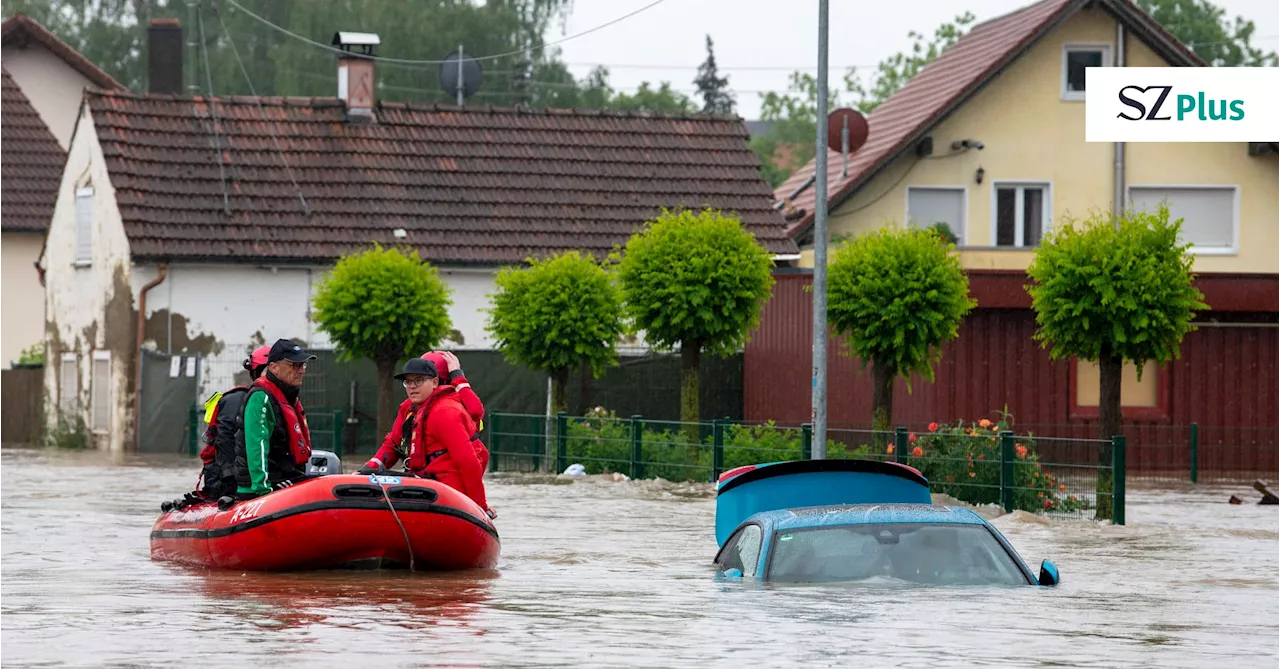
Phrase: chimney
(355, 74)
(164, 56)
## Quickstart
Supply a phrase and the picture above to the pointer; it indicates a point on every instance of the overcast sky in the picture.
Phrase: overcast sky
(669, 38)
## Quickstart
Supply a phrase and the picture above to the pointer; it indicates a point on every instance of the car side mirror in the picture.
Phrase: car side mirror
(1048, 573)
(733, 572)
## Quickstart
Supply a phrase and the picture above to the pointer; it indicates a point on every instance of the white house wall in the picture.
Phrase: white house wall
(471, 290)
(53, 87)
(88, 308)
(22, 307)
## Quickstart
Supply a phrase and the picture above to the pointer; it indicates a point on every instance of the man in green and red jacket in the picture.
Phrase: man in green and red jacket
(273, 442)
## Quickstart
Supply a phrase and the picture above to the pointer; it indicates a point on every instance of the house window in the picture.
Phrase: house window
(84, 226)
(927, 206)
(1021, 214)
(1077, 57)
(1210, 214)
(101, 391)
(1145, 398)
(67, 384)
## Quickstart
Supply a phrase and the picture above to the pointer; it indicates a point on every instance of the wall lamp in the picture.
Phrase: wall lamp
(966, 144)
(979, 174)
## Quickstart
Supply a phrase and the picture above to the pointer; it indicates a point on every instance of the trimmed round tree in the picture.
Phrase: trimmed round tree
(898, 295)
(697, 280)
(385, 305)
(1114, 292)
(556, 314)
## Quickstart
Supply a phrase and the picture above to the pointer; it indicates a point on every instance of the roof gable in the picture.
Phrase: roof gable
(470, 185)
(32, 166)
(897, 124)
(20, 27)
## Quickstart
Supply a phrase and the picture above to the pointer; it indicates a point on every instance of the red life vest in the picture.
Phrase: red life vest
(295, 421)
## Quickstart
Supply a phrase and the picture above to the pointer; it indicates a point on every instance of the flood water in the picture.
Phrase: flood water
(601, 574)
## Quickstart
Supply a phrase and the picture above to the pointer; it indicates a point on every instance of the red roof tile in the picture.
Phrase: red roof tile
(31, 169)
(468, 185)
(20, 27)
(959, 72)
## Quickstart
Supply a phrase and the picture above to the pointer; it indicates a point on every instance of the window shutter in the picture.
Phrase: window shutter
(67, 385)
(1208, 213)
(927, 206)
(101, 391)
(84, 225)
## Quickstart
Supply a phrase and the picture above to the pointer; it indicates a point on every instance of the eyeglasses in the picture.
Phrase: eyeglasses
(295, 365)
(414, 383)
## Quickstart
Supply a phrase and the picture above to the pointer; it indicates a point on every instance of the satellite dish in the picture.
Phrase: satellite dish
(858, 129)
(460, 75)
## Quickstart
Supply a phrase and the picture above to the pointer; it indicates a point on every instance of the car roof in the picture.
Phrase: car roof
(863, 514)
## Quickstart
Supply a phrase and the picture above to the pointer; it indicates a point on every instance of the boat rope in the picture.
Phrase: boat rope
(403, 531)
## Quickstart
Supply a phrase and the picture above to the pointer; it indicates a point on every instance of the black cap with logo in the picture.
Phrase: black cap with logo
(284, 349)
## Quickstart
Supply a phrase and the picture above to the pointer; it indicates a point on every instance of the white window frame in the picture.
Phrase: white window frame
(1234, 249)
(1107, 61)
(67, 395)
(964, 211)
(1021, 185)
(83, 261)
(93, 392)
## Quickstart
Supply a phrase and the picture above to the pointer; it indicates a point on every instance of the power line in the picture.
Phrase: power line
(403, 61)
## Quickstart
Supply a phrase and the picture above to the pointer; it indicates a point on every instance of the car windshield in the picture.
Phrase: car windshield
(932, 553)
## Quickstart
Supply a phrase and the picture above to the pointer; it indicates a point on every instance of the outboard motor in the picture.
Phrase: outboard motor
(322, 463)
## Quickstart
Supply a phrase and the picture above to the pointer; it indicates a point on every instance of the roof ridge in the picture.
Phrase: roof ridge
(59, 48)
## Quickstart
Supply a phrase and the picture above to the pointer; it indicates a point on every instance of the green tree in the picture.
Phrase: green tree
(1114, 291)
(385, 305)
(556, 314)
(696, 280)
(1204, 28)
(899, 295)
(713, 88)
(794, 114)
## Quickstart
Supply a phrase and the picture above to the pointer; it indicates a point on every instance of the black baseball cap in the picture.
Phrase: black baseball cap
(417, 366)
(284, 349)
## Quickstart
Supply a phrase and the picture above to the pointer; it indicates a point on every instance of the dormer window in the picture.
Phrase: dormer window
(1077, 57)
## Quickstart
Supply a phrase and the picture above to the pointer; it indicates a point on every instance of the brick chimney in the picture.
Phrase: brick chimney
(164, 56)
(356, 81)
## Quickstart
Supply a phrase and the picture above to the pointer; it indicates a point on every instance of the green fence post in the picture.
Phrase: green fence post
(806, 440)
(637, 443)
(338, 428)
(900, 444)
(717, 449)
(1006, 470)
(493, 442)
(193, 430)
(1195, 453)
(1117, 479)
(562, 441)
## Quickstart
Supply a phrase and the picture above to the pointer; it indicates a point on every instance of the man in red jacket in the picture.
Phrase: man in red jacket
(433, 434)
(443, 360)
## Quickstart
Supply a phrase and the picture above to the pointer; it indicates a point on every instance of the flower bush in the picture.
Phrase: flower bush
(963, 461)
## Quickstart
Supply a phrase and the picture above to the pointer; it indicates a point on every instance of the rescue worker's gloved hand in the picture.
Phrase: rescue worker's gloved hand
(372, 467)
(493, 515)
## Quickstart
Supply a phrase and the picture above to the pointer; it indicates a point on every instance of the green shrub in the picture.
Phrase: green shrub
(69, 433)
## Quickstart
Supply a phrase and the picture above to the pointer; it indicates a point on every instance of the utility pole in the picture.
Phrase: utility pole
(819, 417)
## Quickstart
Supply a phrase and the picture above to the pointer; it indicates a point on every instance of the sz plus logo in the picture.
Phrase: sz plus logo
(1182, 104)
(1148, 103)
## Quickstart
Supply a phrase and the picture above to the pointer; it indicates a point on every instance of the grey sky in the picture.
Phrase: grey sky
(762, 33)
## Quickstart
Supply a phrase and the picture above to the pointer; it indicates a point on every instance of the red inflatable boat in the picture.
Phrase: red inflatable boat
(332, 522)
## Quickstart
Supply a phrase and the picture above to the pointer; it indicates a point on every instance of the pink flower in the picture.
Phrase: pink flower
(912, 437)
(933, 427)
(984, 423)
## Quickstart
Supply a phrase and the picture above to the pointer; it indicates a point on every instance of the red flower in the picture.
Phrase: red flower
(1048, 504)
(933, 427)
(917, 451)
(911, 438)
(1020, 450)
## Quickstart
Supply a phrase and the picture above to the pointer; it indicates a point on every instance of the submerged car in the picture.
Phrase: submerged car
(855, 520)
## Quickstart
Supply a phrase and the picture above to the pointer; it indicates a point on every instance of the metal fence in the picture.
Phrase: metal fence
(326, 427)
(979, 464)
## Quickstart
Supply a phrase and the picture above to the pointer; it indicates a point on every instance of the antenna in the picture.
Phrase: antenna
(460, 75)
(852, 134)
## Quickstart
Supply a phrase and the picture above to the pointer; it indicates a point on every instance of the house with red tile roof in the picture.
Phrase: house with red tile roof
(43, 82)
(216, 217)
(990, 140)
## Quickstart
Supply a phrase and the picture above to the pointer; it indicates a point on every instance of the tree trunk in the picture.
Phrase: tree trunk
(559, 387)
(584, 399)
(1109, 418)
(882, 402)
(690, 355)
(387, 403)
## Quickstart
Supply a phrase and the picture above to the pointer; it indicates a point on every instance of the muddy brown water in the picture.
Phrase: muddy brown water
(600, 574)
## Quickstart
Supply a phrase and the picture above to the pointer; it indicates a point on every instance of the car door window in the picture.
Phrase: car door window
(742, 551)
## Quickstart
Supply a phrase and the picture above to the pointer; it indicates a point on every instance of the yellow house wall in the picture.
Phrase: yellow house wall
(1031, 134)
